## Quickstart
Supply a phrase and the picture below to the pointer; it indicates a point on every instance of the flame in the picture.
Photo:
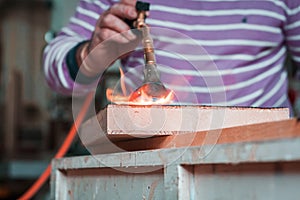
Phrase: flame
(122, 80)
(141, 96)
(145, 99)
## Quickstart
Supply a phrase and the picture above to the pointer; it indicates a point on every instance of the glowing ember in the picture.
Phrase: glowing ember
(140, 96)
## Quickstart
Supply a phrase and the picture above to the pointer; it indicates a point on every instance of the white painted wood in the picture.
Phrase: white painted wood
(254, 170)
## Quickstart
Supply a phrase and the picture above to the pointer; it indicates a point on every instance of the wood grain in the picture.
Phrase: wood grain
(151, 127)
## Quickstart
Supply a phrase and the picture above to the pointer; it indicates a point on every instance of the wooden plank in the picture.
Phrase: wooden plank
(180, 126)
(168, 120)
(250, 133)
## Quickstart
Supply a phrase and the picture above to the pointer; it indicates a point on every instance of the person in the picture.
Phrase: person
(243, 47)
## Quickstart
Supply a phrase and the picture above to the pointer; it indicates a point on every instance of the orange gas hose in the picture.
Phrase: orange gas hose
(61, 152)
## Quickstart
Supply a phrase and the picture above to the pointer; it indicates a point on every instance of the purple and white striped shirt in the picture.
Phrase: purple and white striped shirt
(212, 52)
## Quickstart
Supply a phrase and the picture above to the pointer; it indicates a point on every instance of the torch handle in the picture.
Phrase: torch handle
(150, 72)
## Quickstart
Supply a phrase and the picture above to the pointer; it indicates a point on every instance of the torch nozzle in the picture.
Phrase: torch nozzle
(152, 84)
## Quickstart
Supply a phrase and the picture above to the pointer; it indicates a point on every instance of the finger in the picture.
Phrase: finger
(114, 23)
(123, 11)
(128, 2)
(112, 35)
(106, 36)
(129, 35)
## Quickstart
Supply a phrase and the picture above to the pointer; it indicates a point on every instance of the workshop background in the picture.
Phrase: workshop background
(34, 119)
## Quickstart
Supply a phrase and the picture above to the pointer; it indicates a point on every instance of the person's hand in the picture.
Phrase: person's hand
(111, 23)
(110, 29)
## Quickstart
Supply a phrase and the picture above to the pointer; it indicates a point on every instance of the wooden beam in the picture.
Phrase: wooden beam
(150, 127)
(168, 120)
(250, 133)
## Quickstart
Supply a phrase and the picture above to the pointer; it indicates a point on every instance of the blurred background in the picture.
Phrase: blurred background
(35, 120)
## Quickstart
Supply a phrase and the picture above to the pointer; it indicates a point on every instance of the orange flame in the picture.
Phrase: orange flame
(143, 97)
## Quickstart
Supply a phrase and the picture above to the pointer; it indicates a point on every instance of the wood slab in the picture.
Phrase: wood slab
(250, 133)
(168, 120)
(123, 123)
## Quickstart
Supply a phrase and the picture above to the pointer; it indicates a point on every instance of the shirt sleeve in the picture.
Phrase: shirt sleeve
(79, 28)
(292, 30)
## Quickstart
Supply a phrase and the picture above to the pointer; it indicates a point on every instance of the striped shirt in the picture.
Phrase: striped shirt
(211, 52)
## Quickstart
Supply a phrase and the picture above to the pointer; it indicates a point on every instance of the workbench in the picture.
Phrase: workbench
(253, 168)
